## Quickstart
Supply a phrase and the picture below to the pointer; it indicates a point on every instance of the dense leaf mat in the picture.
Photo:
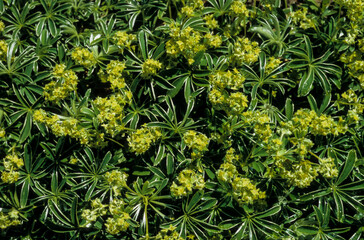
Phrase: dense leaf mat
(181, 119)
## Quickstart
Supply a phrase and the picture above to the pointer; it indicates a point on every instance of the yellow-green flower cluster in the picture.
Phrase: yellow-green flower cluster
(303, 145)
(184, 41)
(111, 111)
(117, 180)
(3, 50)
(210, 21)
(355, 64)
(2, 26)
(355, 10)
(272, 64)
(237, 102)
(191, 6)
(307, 121)
(123, 40)
(324, 125)
(9, 219)
(2, 132)
(141, 139)
(66, 82)
(245, 191)
(245, 51)
(67, 127)
(169, 233)
(355, 103)
(188, 180)
(227, 171)
(197, 142)
(114, 75)
(114, 224)
(227, 79)
(83, 57)
(97, 210)
(117, 223)
(213, 40)
(116, 206)
(222, 83)
(239, 9)
(150, 67)
(261, 122)
(11, 163)
(300, 17)
(299, 174)
(328, 168)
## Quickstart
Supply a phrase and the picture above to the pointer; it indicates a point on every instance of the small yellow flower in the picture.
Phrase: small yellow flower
(2, 26)
(3, 50)
(2, 132)
(141, 140)
(83, 57)
(150, 67)
(188, 180)
(123, 40)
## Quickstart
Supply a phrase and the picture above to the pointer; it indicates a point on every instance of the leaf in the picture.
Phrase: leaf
(170, 164)
(27, 128)
(357, 205)
(339, 207)
(24, 194)
(270, 212)
(306, 83)
(160, 154)
(314, 194)
(353, 186)
(52, 27)
(157, 172)
(347, 168)
(27, 157)
(104, 162)
(325, 102)
(289, 108)
(74, 216)
(312, 102)
(307, 230)
(229, 224)
(194, 200)
(143, 44)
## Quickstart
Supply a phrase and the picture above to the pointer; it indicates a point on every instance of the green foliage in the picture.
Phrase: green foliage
(192, 119)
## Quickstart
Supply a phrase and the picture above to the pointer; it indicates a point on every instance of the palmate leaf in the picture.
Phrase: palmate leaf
(253, 226)
(315, 69)
(260, 79)
(275, 32)
(341, 193)
(193, 220)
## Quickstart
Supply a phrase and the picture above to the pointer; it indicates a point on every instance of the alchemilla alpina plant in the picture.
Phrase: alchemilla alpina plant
(181, 119)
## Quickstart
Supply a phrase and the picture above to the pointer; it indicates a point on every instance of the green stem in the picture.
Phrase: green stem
(131, 190)
(110, 139)
(315, 155)
(146, 219)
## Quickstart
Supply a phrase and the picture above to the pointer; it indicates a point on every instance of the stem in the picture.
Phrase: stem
(131, 190)
(315, 155)
(170, 9)
(146, 219)
(245, 26)
(110, 139)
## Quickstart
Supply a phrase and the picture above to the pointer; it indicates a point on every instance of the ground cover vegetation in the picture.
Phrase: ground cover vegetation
(181, 119)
